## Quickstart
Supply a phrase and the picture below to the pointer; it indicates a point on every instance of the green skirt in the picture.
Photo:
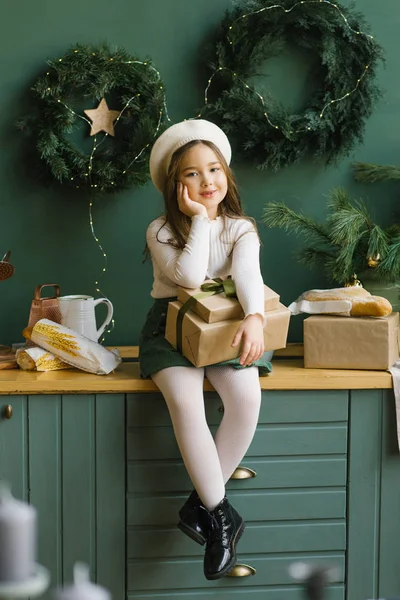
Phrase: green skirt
(155, 353)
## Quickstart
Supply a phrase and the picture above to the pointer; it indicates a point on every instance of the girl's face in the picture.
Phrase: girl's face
(204, 176)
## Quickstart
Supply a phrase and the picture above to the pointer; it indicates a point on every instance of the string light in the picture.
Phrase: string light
(105, 257)
(163, 111)
(96, 145)
(347, 94)
(286, 10)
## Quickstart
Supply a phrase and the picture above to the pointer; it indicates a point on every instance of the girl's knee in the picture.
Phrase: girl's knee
(247, 403)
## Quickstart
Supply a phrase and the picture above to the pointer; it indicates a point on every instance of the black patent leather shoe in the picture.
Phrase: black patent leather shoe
(193, 519)
(225, 529)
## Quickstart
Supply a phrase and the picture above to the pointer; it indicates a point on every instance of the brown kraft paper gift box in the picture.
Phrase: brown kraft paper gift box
(209, 343)
(220, 308)
(351, 342)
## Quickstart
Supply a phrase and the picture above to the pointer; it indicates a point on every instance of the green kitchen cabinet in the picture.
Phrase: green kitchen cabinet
(105, 474)
(66, 455)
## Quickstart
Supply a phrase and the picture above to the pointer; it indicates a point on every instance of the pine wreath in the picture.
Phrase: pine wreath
(77, 82)
(345, 93)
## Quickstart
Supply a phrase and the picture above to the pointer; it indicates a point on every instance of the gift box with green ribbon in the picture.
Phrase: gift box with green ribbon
(210, 343)
(216, 300)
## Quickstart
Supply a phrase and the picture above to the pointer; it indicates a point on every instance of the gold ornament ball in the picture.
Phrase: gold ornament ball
(373, 261)
(353, 282)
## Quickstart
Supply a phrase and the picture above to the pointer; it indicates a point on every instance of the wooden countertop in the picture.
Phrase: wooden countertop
(288, 374)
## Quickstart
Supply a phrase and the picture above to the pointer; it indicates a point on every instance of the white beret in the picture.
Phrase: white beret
(177, 136)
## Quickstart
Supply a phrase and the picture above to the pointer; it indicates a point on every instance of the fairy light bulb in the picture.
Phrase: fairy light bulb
(275, 6)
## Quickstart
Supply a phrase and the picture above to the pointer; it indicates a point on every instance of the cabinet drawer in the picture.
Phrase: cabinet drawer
(289, 505)
(266, 593)
(155, 477)
(262, 539)
(319, 406)
(187, 573)
(155, 443)
(150, 410)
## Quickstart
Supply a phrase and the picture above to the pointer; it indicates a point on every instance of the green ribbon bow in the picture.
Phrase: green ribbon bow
(219, 286)
(208, 289)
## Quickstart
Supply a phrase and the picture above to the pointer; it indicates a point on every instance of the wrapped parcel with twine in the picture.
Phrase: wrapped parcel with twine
(73, 348)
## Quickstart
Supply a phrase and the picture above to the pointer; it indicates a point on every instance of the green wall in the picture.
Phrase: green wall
(48, 230)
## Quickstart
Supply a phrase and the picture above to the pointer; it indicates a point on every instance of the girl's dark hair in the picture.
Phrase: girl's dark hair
(178, 222)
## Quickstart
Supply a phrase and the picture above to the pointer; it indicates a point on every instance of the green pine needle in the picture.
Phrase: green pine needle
(277, 214)
(86, 74)
(345, 242)
(370, 173)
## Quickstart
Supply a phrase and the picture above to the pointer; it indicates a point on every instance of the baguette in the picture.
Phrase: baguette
(72, 348)
(348, 301)
(363, 304)
(37, 359)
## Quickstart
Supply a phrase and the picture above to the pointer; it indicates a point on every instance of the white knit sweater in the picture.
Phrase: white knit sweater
(209, 253)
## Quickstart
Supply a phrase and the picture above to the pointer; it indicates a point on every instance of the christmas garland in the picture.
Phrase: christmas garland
(336, 113)
(67, 95)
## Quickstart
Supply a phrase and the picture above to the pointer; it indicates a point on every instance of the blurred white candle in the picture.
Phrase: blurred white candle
(82, 588)
(17, 538)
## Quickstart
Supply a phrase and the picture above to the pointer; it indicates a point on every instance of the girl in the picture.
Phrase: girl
(204, 234)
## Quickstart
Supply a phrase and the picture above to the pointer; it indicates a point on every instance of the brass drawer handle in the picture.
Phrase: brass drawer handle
(243, 473)
(242, 571)
(7, 411)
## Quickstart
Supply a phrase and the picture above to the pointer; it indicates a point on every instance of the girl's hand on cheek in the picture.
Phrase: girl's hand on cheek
(186, 205)
(252, 335)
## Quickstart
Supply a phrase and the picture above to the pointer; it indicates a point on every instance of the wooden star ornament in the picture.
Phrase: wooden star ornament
(102, 118)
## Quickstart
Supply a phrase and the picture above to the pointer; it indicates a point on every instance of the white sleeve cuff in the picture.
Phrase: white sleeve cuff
(264, 320)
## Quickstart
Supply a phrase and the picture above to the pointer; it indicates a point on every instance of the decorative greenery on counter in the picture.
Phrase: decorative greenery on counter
(348, 243)
(334, 119)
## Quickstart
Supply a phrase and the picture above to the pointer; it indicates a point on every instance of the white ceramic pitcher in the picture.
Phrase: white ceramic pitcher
(78, 313)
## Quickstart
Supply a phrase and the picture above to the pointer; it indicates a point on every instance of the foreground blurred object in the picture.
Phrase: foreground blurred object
(82, 588)
(17, 537)
(314, 578)
(20, 576)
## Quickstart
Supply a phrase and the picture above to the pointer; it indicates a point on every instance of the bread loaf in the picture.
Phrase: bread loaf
(348, 301)
(72, 348)
(37, 359)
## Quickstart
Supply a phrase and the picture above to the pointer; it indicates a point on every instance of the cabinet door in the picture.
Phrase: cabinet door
(66, 455)
(374, 497)
(14, 444)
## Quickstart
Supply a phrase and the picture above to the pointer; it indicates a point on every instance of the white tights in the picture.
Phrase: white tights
(211, 463)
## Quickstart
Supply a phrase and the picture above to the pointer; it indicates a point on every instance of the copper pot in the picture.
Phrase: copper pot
(6, 269)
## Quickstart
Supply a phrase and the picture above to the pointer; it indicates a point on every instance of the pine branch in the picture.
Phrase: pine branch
(346, 224)
(378, 242)
(339, 199)
(390, 264)
(344, 264)
(345, 242)
(277, 214)
(310, 257)
(369, 173)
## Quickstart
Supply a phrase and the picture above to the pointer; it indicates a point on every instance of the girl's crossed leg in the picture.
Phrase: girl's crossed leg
(211, 463)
